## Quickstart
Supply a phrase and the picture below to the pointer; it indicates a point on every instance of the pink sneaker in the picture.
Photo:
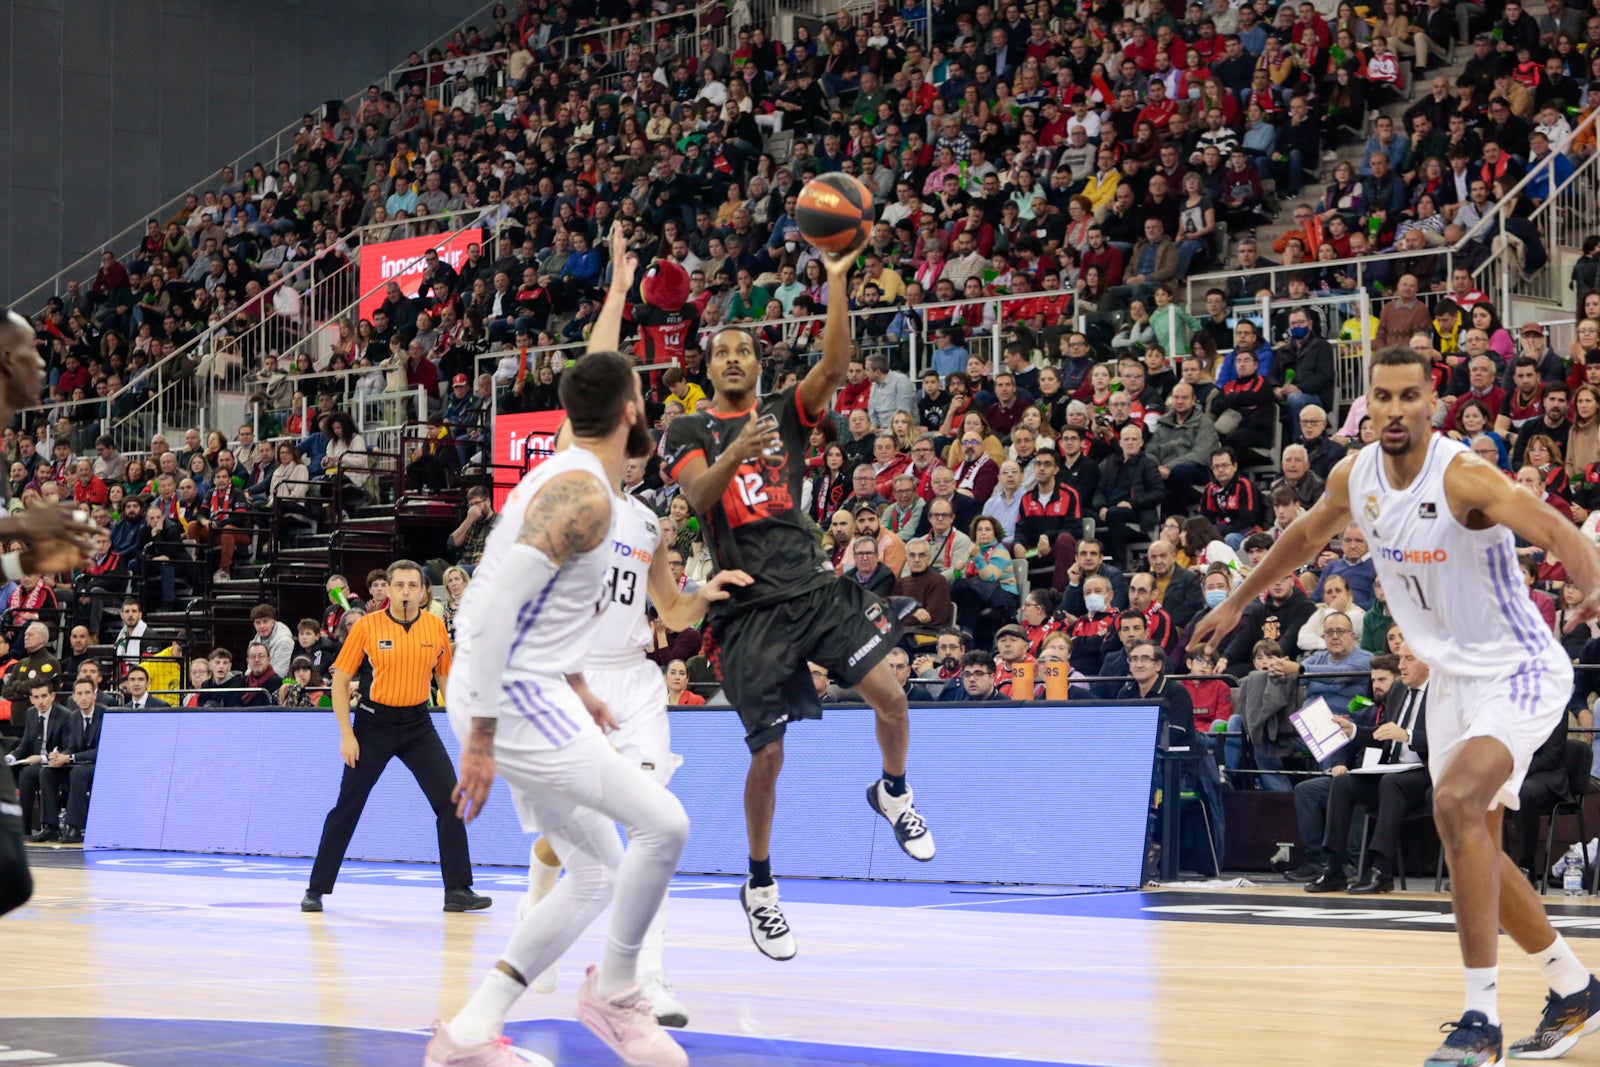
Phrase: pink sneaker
(445, 1051)
(628, 1026)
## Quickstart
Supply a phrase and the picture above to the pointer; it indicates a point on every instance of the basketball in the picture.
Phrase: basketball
(834, 212)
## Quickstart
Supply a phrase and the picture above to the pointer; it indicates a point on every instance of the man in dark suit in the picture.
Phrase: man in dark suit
(1399, 739)
(41, 735)
(1311, 794)
(137, 686)
(1545, 786)
(69, 768)
(1178, 588)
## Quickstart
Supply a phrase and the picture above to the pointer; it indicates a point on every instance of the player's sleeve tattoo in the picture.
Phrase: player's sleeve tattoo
(480, 742)
(569, 516)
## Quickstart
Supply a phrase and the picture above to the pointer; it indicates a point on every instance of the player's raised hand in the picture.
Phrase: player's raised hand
(717, 587)
(838, 264)
(624, 263)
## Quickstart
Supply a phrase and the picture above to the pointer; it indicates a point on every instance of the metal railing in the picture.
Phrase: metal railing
(235, 360)
(1565, 217)
(181, 386)
(437, 91)
(1491, 267)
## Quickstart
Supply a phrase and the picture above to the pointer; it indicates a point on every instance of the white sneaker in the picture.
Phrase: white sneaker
(768, 928)
(669, 1011)
(551, 977)
(910, 832)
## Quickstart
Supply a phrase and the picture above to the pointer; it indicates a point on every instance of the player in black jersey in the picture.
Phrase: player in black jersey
(56, 542)
(740, 467)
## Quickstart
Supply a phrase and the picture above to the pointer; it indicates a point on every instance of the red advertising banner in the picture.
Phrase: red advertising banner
(402, 261)
(524, 440)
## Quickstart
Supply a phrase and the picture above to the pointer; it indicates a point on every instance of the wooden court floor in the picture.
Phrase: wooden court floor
(1226, 977)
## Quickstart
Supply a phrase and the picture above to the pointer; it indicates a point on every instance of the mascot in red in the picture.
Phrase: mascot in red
(665, 322)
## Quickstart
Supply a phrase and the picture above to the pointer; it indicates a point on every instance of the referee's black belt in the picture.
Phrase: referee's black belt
(392, 709)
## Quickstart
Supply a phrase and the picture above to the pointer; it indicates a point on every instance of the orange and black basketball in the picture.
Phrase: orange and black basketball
(834, 212)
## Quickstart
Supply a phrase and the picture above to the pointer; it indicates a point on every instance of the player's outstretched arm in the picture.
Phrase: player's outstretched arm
(607, 333)
(1297, 547)
(822, 380)
(679, 610)
(1472, 485)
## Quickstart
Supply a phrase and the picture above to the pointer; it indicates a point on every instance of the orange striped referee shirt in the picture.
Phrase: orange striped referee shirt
(404, 658)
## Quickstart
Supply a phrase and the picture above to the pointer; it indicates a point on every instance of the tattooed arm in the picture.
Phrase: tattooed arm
(569, 516)
(477, 770)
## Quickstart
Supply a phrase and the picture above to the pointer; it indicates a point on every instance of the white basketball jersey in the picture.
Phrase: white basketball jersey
(555, 628)
(1458, 594)
(622, 633)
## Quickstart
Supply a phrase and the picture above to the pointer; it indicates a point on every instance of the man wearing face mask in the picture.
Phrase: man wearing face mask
(1302, 368)
(1094, 634)
(1215, 585)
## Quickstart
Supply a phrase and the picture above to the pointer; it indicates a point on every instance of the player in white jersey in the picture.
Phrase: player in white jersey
(522, 707)
(1441, 522)
(635, 690)
(618, 672)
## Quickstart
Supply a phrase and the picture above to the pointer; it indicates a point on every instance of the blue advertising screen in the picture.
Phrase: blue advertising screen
(1024, 793)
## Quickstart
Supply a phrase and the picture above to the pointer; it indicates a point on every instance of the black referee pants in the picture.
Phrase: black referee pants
(410, 737)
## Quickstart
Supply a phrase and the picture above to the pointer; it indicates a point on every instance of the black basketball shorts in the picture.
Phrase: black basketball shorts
(762, 653)
(10, 810)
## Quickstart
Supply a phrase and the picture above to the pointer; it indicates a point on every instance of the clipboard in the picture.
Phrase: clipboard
(1322, 736)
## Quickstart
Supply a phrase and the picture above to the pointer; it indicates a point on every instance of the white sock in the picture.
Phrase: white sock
(485, 1013)
(1483, 993)
(650, 961)
(619, 970)
(1562, 969)
(541, 879)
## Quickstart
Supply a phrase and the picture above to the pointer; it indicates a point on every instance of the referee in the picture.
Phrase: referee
(407, 648)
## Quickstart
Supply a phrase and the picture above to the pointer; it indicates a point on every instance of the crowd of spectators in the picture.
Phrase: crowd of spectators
(1080, 497)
